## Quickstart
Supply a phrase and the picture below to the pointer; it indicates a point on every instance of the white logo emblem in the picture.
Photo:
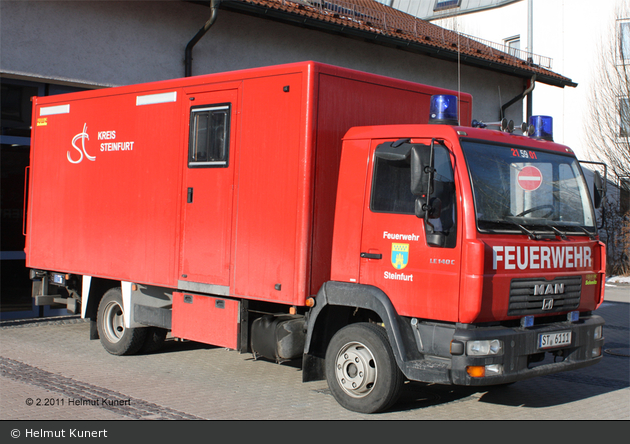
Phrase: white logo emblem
(82, 136)
(547, 304)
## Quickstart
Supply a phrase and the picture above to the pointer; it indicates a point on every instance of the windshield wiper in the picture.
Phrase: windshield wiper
(563, 234)
(531, 234)
(590, 235)
(558, 232)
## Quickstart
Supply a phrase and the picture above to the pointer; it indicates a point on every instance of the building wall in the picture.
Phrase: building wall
(106, 43)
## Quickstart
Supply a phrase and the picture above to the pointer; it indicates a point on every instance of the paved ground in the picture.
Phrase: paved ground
(51, 371)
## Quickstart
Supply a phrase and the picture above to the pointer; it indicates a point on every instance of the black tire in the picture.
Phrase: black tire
(154, 340)
(361, 370)
(115, 338)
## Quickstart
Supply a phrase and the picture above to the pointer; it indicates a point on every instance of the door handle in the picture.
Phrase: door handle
(372, 255)
(190, 195)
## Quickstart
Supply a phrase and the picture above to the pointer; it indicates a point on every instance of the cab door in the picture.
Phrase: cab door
(420, 280)
(208, 191)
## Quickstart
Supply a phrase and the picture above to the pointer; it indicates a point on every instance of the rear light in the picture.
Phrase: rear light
(59, 279)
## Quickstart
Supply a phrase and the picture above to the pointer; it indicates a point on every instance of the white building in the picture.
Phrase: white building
(565, 33)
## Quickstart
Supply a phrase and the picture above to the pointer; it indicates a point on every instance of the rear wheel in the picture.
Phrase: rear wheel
(361, 369)
(115, 338)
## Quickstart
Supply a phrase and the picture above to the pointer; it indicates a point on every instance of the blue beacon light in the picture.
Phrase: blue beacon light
(443, 110)
(543, 127)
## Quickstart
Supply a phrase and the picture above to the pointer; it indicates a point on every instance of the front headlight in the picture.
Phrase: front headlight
(597, 334)
(483, 348)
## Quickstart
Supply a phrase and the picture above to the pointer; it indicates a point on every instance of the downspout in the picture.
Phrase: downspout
(214, 7)
(530, 88)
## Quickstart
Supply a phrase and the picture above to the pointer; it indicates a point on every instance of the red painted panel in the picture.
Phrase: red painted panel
(105, 189)
(509, 257)
(349, 216)
(206, 319)
(272, 171)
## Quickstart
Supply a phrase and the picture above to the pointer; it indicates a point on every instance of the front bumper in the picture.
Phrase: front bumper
(522, 358)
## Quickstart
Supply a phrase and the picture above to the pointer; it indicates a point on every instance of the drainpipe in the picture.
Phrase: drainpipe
(214, 7)
(530, 88)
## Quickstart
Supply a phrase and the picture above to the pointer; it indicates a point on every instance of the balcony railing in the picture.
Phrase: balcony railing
(399, 25)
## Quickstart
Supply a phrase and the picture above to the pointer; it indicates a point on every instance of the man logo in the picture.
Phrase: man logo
(543, 289)
(547, 304)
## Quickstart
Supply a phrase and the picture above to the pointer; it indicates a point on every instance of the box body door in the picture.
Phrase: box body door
(208, 189)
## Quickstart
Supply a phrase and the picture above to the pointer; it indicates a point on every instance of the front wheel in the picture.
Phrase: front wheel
(114, 336)
(361, 369)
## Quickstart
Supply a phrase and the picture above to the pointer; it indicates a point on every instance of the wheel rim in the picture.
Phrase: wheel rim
(114, 324)
(355, 369)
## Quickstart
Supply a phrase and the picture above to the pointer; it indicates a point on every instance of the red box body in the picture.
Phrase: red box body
(109, 178)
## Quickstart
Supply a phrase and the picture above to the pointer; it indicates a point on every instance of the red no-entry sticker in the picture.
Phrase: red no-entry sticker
(529, 178)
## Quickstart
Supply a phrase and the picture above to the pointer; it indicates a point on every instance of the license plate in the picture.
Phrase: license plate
(548, 340)
(57, 279)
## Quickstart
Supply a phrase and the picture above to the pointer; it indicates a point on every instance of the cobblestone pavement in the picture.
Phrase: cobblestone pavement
(50, 370)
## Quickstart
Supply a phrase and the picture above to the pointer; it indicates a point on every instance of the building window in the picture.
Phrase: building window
(624, 195)
(624, 40)
(209, 136)
(513, 45)
(624, 117)
(446, 4)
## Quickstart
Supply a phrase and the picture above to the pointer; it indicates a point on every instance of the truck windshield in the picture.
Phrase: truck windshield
(517, 189)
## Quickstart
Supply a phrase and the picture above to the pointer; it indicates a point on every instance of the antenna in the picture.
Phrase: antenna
(459, 73)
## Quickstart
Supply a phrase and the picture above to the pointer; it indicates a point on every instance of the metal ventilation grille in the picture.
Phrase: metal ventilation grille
(527, 296)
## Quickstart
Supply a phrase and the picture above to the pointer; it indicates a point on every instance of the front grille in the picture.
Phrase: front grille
(527, 296)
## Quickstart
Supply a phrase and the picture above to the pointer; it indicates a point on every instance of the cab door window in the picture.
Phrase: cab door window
(391, 191)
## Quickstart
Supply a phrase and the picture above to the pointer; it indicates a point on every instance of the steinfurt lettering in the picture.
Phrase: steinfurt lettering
(398, 276)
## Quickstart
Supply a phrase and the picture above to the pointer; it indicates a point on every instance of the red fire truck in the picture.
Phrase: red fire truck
(304, 211)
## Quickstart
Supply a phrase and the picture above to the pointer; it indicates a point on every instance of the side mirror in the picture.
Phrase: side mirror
(599, 191)
(432, 210)
(421, 170)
